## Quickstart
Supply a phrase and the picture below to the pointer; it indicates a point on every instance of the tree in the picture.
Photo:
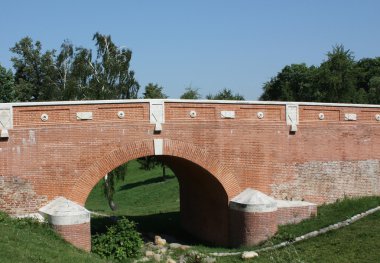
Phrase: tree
(111, 77)
(35, 76)
(293, 83)
(191, 94)
(153, 91)
(117, 174)
(225, 94)
(7, 92)
(336, 77)
(374, 90)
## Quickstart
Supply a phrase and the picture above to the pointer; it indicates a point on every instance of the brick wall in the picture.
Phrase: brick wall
(77, 235)
(323, 161)
(251, 228)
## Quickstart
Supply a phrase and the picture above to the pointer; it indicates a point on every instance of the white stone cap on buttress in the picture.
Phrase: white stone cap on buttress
(251, 201)
(62, 211)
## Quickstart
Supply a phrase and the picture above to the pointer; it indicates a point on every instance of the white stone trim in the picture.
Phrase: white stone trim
(62, 211)
(158, 146)
(90, 102)
(253, 201)
(9, 108)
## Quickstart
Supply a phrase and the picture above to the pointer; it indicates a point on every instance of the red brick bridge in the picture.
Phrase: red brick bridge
(243, 167)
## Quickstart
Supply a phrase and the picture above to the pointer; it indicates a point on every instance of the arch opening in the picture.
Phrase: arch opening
(202, 210)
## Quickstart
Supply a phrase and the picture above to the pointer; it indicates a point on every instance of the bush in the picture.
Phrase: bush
(121, 241)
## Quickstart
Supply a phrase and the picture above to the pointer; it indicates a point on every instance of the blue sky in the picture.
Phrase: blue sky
(207, 44)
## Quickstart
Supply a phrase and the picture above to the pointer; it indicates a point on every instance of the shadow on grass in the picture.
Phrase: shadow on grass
(145, 182)
(166, 225)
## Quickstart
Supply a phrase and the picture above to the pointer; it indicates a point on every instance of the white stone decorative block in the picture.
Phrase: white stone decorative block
(84, 115)
(4, 133)
(260, 115)
(62, 211)
(252, 201)
(6, 119)
(121, 114)
(350, 117)
(193, 114)
(377, 117)
(157, 114)
(292, 116)
(321, 116)
(44, 117)
(158, 127)
(158, 146)
(157, 111)
(227, 114)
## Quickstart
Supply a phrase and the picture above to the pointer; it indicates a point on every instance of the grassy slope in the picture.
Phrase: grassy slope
(357, 243)
(26, 241)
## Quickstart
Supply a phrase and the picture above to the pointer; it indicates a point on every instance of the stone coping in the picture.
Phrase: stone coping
(289, 204)
(251, 201)
(62, 211)
(89, 102)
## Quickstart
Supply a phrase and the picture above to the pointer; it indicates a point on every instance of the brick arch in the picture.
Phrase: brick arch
(195, 154)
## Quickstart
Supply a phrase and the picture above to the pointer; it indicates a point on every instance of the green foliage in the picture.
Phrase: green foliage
(111, 77)
(121, 241)
(117, 174)
(293, 83)
(153, 91)
(338, 79)
(225, 94)
(35, 71)
(191, 94)
(75, 73)
(7, 93)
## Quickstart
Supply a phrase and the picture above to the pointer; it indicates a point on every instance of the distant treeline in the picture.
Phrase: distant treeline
(78, 73)
(338, 79)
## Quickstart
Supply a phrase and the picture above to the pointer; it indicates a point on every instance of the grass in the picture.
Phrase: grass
(29, 241)
(142, 193)
(357, 243)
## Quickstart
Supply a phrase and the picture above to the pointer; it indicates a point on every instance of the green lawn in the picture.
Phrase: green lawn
(142, 193)
(27, 241)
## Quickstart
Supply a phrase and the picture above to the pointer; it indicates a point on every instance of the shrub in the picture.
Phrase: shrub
(121, 241)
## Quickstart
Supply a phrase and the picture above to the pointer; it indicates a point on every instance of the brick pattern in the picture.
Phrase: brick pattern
(77, 235)
(294, 215)
(323, 161)
(251, 228)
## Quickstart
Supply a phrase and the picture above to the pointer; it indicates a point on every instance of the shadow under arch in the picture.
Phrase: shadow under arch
(206, 185)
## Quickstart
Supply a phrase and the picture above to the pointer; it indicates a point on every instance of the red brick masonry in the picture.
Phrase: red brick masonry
(78, 235)
(216, 155)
